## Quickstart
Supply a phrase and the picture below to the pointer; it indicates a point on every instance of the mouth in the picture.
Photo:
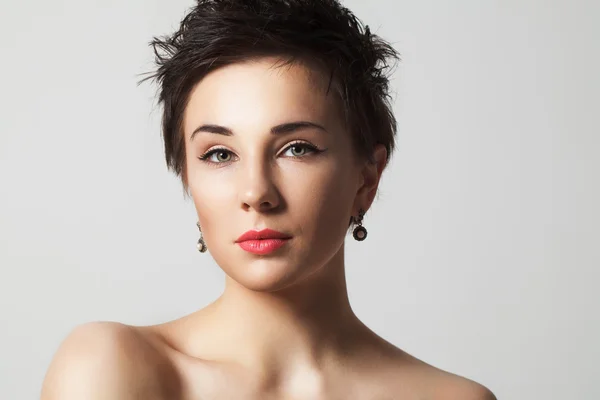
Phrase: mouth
(262, 242)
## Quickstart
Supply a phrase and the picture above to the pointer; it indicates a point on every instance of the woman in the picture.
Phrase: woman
(277, 120)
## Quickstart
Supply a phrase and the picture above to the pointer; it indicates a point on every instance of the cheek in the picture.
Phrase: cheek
(212, 197)
(322, 200)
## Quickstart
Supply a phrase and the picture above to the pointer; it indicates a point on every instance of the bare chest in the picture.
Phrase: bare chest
(202, 382)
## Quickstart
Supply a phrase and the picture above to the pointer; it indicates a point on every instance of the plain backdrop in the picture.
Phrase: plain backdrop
(483, 250)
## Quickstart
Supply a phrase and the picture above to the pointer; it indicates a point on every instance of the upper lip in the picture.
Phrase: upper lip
(263, 234)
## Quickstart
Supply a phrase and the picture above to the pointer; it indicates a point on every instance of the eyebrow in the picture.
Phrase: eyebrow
(287, 127)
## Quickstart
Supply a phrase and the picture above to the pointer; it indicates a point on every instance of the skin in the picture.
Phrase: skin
(283, 327)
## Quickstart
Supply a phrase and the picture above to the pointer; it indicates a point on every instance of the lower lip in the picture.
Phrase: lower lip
(262, 246)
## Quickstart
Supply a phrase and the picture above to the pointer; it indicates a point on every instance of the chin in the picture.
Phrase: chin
(266, 275)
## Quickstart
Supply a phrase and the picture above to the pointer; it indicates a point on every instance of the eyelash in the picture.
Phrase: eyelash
(312, 150)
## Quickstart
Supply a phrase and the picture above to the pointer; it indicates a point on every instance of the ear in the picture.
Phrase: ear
(371, 174)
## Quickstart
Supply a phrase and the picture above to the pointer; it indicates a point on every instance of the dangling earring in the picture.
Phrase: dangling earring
(360, 233)
(201, 245)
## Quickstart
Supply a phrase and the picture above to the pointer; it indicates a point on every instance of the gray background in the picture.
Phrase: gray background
(482, 256)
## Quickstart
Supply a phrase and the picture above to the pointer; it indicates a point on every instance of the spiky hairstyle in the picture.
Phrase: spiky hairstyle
(216, 33)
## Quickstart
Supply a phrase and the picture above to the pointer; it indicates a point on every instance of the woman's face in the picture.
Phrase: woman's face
(266, 147)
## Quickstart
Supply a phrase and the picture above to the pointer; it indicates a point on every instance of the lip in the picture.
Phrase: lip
(262, 242)
(262, 235)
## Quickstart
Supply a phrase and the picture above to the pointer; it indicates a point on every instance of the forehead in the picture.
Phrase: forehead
(259, 92)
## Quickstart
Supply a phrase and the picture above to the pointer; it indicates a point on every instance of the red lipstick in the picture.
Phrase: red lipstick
(262, 242)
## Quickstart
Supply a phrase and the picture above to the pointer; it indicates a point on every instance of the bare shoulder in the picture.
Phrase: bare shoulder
(445, 385)
(102, 360)
(453, 386)
(428, 381)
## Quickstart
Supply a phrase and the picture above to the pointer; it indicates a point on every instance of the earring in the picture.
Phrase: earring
(201, 245)
(360, 233)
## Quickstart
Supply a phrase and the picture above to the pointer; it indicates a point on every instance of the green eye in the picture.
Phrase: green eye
(222, 156)
(299, 150)
(217, 156)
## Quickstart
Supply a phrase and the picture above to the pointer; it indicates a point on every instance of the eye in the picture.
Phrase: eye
(217, 156)
(299, 149)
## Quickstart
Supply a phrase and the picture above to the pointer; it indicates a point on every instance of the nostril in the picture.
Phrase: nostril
(266, 205)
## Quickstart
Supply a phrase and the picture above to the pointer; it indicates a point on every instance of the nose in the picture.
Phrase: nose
(258, 191)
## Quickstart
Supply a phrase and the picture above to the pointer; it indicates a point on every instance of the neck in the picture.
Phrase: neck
(304, 327)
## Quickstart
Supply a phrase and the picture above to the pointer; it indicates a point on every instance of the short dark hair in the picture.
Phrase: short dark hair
(216, 33)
